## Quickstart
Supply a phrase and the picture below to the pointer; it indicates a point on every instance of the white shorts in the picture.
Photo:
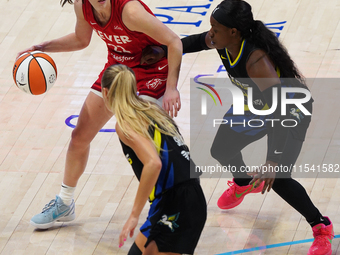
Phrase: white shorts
(158, 101)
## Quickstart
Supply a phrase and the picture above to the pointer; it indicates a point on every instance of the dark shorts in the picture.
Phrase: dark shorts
(176, 219)
(231, 139)
(251, 124)
(239, 123)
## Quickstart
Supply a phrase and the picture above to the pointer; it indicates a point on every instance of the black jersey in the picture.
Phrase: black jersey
(238, 75)
(175, 158)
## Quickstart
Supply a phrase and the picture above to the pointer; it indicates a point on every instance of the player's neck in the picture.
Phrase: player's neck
(234, 50)
(102, 16)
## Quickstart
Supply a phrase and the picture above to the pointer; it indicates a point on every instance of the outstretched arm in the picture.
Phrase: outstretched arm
(152, 165)
(197, 42)
(191, 43)
(71, 42)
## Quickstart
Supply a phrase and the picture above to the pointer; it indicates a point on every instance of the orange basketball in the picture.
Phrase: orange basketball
(34, 72)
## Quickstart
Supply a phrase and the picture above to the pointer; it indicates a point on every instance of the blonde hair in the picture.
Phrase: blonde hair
(132, 111)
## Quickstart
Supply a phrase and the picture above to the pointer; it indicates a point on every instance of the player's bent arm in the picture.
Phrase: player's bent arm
(261, 70)
(148, 155)
(191, 43)
(78, 40)
(136, 18)
(196, 42)
(83, 30)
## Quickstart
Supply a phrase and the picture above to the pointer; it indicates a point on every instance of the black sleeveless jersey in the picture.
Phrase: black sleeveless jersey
(175, 157)
(238, 75)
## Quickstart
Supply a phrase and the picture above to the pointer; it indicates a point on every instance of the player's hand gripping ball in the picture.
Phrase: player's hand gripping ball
(34, 72)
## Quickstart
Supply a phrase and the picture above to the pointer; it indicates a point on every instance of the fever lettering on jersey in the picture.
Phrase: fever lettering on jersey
(115, 41)
(119, 39)
(126, 47)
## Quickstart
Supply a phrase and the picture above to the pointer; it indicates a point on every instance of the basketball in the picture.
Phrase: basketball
(34, 72)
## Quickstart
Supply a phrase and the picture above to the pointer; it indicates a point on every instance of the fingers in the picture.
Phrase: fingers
(24, 51)
(175, 107)
(171, 110)
(148, 59)
(264, 188)
(142, 60)
(172, 107)
(270, 185)
(252, 181)
(256, 178)
(122, 237)
(258, 182)
(151, 55)
(179, 105)
(168, 108)
(128, 230)
(20, 53)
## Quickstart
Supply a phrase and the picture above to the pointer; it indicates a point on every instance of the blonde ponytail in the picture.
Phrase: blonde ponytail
(132, 111)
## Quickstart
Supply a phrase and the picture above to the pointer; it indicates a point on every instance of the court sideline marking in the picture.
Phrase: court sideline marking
(271, 246)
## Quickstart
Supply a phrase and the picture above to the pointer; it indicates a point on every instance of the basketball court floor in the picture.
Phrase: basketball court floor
(35, 132)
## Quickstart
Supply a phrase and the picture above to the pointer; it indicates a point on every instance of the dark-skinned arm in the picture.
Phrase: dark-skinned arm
(261, 70)
(191, 43)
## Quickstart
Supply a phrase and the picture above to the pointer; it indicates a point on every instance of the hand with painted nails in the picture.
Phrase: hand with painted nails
(264, 173)
(128, 229)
